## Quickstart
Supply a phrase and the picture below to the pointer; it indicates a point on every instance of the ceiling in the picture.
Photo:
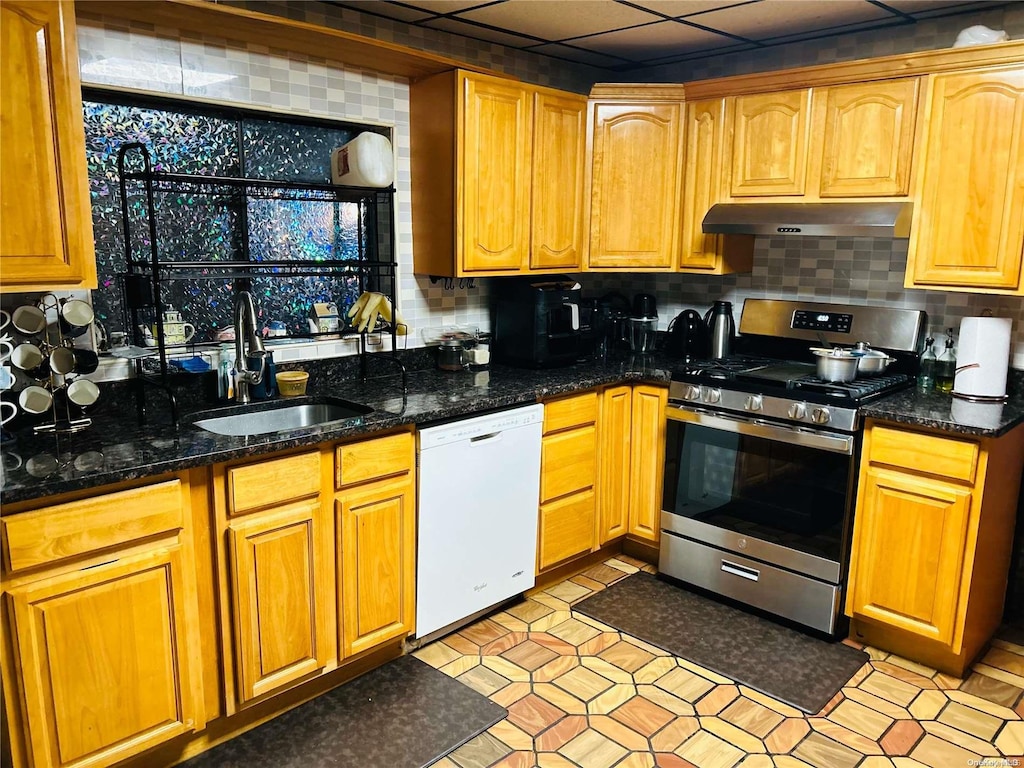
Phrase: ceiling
(629, 34)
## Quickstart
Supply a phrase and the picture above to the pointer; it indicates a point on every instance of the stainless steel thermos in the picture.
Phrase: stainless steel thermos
(721, 328)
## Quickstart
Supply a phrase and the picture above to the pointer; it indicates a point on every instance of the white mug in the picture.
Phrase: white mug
(35, 399)
(5, 406)
(83, 392)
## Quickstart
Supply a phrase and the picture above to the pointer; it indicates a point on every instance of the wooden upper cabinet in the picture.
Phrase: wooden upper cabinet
(635, 188)
(706, 126)
(968, 228)
(105, 659)
(494, 159)
(497, 171)
(868, 139)
(769, 153)
(46, 237)
(556, 225)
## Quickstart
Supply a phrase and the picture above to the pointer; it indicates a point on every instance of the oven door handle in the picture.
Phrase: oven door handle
(825, 441)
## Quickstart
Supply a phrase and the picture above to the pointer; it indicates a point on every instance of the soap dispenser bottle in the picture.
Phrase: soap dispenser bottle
(945, 365)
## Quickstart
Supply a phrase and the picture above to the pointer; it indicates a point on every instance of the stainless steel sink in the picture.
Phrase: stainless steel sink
(280, 418)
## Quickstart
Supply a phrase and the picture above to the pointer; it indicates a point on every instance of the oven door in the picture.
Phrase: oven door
(769, 492)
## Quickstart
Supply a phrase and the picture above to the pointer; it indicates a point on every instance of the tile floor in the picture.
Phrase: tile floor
(581, 694)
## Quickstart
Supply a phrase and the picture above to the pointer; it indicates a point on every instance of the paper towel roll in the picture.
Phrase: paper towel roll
(985, 346)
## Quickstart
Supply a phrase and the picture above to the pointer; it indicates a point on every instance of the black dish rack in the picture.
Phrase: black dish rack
(146, 273)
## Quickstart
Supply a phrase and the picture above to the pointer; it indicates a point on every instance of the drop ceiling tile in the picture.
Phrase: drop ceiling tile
(814, 34)
(559, 20)
(578, 55)
(776, 18)
(664, 38)
(396, 11)
(445, 6)
(926, 9)
(677, 8)
(480, 33)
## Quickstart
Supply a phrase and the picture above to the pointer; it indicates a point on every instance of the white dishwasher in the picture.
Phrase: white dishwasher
(479, 487)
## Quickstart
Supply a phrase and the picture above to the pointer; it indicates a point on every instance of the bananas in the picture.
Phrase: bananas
(369, 306)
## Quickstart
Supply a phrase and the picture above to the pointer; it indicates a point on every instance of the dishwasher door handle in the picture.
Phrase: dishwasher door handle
(488, 438)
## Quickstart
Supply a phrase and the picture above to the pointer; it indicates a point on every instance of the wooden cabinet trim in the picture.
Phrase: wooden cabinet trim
(78, 528)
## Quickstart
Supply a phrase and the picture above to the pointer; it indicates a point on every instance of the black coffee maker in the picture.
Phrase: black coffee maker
(537, 321)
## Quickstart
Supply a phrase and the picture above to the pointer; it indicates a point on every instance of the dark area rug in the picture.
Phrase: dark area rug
(404, 714)
(783, 663)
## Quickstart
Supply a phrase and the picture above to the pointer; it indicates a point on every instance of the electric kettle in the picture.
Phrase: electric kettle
(721, 329)
(687, 336)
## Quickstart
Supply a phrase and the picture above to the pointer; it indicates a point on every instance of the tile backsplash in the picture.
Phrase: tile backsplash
(139, 56)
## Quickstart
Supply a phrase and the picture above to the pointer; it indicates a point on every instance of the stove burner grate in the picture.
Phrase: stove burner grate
(856, 390)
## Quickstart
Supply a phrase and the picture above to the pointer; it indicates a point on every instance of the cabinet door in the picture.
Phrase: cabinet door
(558, 155)
(613, 462)
(635, 187)
(646, 464)
(105, 658)
(278, 598)
(910, 536)
(968, 228)
(769, 155)
(568, 462)
(706, 123)
(566, 528)
(869, 139)
(494, 158)
(377, 562)
(45, 219)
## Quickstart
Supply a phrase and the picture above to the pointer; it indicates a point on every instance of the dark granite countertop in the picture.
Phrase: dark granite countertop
(938, 410)
(116, 448)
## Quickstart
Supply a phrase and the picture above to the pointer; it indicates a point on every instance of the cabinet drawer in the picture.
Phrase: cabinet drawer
(567, 412)
(267, 483)
(568, 462)
(77, 528)
(373, 459)
(931, 454)
(567, 528)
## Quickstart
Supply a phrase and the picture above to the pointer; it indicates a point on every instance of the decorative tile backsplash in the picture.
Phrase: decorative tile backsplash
(857, 270)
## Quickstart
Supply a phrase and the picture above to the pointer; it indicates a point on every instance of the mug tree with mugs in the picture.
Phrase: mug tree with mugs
(47, 356)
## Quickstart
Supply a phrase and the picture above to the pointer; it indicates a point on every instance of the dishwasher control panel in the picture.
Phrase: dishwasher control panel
(480, 426)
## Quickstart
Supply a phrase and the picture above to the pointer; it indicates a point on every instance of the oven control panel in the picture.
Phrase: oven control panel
(833, 322)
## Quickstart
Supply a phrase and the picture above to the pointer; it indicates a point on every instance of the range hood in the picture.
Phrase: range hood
(815, 219)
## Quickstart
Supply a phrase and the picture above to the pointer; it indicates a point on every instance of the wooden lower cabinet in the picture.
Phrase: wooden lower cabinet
(931, 542)
(613, 462)
(101, 637)
(278, 592)
(647, 460)
(376, 526)
(104, 655)
(601, 470)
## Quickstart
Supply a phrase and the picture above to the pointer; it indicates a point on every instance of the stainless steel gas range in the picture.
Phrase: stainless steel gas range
(761, 457)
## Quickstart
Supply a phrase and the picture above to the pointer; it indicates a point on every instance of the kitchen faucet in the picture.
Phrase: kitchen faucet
(246, 335)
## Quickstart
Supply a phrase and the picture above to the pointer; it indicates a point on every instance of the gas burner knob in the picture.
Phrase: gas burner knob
(797, 411)
(752, 403)
(820, 416)
(711, 395)
(690, 392)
